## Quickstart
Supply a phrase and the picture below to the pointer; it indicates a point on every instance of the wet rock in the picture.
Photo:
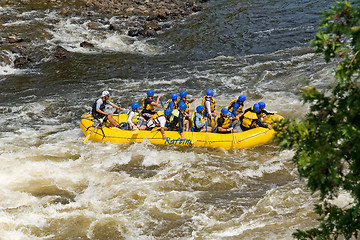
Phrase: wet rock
(94, 25)
(87, 45)
(133, 32)
(4, 58)
(61, 53)
(14, 39)
(197, 8)
(21, 62)
(36, 56)
(65, 11)
(148, 33)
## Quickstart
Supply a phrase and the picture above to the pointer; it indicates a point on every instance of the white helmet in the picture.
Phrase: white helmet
(105, 93)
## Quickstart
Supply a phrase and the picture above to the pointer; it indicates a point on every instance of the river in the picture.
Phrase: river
(55, 187)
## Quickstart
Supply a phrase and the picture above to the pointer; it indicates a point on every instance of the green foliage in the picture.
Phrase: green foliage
(327, 142)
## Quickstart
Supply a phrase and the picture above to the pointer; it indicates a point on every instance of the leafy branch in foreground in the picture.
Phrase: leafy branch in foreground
(327, 142)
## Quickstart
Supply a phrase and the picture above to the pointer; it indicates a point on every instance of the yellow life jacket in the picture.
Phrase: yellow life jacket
(212, 103)
(226, 123)
(248, 119)
(155, 116)
(169, 101)
(149, 107)
(231, 107)
(201, 120)
(135, 119)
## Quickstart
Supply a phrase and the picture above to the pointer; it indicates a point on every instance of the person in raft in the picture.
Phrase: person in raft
(198, 122)
(235, 108)
(159, 119)
(208, 103)
(251, 118)
(148, 105)
(98, 109)
(224, 122)
(172, 103)
(262, 111)
(183, 96)
(135, 121)
(178, 121)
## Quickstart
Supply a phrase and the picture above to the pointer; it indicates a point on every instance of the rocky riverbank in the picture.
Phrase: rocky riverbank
(141, 18)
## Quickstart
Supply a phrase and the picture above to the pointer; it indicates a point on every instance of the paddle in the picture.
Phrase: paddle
(232, 132)
(193, 136)
(88, 136)
(136, 131)
(206, 136)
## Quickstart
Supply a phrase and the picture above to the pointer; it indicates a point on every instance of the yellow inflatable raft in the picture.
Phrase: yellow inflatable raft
(247, 139)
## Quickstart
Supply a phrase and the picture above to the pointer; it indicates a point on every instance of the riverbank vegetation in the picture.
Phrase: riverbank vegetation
(327, 142)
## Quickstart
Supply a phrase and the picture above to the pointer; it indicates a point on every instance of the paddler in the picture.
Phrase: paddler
(183, 99)
(135, 121)
(251, 118)
(98, 109)
(148, 105)
(198, 122)
(172, 103)
(235, 108)
(223, 122)
(208, 103)
(178, 121)
(159, 119)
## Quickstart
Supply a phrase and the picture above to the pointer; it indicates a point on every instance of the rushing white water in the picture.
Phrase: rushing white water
(55, 187)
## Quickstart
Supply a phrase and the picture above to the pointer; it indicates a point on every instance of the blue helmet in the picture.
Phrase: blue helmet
(168, 111)
(183, 94)
(150, 93)
(182, 106)
(174, 96)
(171, 105)
(209, 93)
(241, 98)
(199, 108)
(255, 107)
(135, 105)
(262, 105)
(224, 111)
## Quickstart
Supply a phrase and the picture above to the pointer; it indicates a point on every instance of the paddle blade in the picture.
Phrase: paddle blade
(136, 131)
(87, 138)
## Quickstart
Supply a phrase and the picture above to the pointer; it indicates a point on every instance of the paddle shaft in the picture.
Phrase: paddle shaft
(88, 136)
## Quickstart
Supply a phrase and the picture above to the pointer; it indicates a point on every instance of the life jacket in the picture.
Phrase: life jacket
(135, 119)
(226, 123)
(102, 106)
(187, 104)
(248, 119)
(169, 101)
(193, 120)
(212, 103)
(154, 118)
(175, 113)
(145, 106)
(231, 106)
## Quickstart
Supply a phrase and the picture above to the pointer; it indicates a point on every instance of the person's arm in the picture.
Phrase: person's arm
(115, 106)
(260, 124)
(235, 108)
(156, 104)
(131, 115)
(208, 107)
(197, 122)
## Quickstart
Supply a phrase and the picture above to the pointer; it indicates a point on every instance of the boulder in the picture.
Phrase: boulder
(86, 44)
(21, 62)
(61, 53)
